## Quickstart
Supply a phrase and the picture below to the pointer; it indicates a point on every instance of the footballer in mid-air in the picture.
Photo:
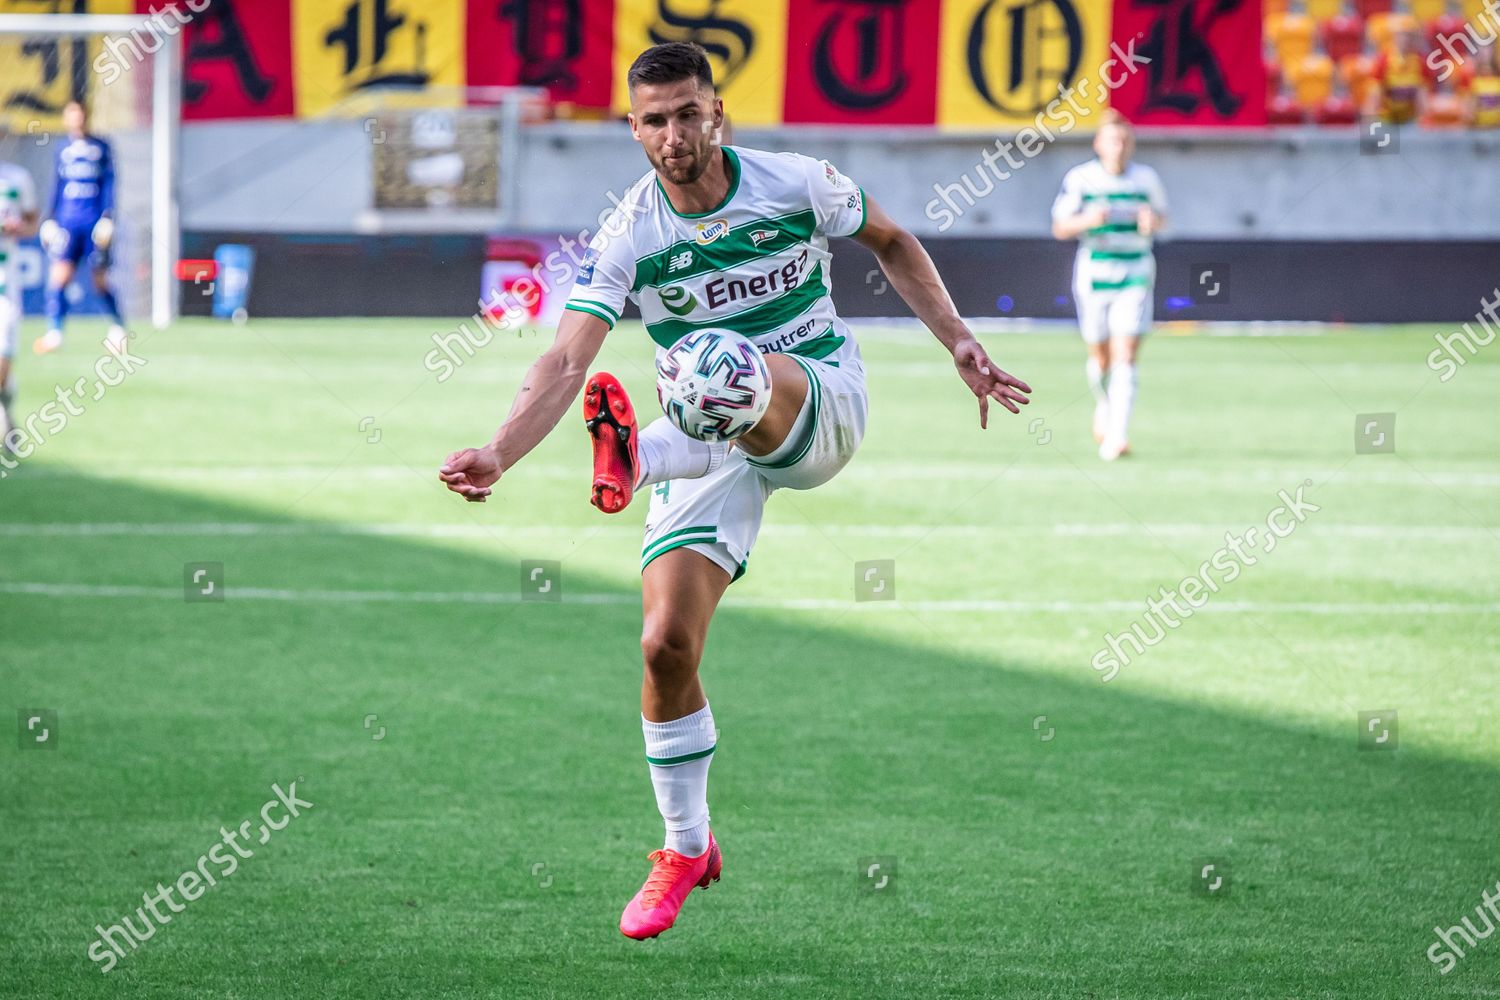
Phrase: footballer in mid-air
(721, 248)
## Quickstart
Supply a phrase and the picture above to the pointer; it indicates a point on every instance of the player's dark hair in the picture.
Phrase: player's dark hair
(670, 62)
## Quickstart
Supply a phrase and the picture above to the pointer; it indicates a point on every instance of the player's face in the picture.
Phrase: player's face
(1113, 145)
(675, 123)
(74, 119)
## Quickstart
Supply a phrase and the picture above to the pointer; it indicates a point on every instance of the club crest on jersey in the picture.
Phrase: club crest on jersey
(678, 300)
(710, 231)
(759, 236)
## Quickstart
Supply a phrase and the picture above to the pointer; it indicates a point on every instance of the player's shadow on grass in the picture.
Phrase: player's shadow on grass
(482, 806)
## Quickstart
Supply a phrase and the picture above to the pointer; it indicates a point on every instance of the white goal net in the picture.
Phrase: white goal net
(126, 71)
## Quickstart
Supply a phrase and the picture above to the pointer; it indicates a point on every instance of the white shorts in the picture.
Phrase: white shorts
(1126, 312)
(718, 515)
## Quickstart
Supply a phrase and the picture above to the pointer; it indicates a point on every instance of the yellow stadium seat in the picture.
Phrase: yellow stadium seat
(1312, 80)
(1293, 38)
(1380, 27)
(1425, 10)
(1322, 10)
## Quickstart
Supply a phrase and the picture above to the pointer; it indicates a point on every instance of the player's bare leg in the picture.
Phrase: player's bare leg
(679, 592)
(788, 390)
(1097, 368)
(1122, 387)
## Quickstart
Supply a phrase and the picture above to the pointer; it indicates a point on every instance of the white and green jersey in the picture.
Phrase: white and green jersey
(17, 198)
(757, 264)
(1116, 255)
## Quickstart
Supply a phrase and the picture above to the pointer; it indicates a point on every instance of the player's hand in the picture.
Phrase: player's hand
(50, 233)
(985, 379)
(471, 472)
(104, 231)
(1147, 221)
(1095, 217)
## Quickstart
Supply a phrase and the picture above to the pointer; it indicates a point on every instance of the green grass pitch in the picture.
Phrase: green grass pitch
(481, 807)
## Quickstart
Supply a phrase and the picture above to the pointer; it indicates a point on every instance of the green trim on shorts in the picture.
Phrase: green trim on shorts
(705, 533)
(682, 759)
(820, 346)
(593, 309)
(816, 388)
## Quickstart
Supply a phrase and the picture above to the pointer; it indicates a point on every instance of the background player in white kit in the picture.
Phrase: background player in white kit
(1114, 208)
(720, 238)
(18, 220)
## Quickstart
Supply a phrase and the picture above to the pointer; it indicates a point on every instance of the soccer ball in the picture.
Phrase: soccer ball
(713, 384)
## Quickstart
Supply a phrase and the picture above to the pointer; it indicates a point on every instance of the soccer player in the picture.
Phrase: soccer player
(80, 221)
(713, 236)
(1113, 207)
(18, 220)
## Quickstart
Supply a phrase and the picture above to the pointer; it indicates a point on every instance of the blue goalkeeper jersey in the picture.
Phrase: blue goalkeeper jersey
(85, 182)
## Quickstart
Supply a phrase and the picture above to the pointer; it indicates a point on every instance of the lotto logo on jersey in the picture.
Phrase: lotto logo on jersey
(710, 231)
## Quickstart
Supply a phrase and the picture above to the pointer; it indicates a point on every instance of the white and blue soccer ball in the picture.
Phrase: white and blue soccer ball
(713, 384)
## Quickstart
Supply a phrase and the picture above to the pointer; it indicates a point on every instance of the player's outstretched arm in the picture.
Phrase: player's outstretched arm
(550, 386)
(911, 272)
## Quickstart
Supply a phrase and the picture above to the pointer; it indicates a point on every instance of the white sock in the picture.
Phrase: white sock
(1122, 385)
(1095, 372)
(664, 452)
(682, 787)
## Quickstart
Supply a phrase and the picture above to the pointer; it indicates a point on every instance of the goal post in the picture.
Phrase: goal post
(126, 69)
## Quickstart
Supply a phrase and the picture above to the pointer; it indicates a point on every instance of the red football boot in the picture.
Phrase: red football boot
(611, 422)
(655, 908)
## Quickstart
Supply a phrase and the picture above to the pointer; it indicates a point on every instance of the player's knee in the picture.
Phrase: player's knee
(670, 650)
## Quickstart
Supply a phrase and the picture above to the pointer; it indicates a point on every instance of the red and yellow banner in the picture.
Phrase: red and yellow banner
(745, 41)
(992, 65)
(345, 50)
(566, 46)
(862, 63)
(237, 57)
(1205, 65)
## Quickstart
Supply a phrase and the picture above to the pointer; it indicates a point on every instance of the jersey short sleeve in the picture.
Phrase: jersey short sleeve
(1069, 200)
(1155, 193)
(838, 203)
(606, 272)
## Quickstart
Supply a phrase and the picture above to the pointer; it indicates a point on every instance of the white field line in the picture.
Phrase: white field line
(72, 590)
(869, 470)
(216, 529)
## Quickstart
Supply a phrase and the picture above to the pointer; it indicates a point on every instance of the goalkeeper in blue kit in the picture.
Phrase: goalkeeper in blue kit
(80, 222)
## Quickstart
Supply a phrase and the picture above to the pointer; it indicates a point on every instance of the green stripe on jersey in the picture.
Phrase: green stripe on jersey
(1115, 227)
(1116, 254)
(1117, 196)
(1139, 281)
(750, 322)
(742, 244)
(820, 346)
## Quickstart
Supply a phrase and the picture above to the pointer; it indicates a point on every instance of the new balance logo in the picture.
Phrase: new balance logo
(679, 261)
